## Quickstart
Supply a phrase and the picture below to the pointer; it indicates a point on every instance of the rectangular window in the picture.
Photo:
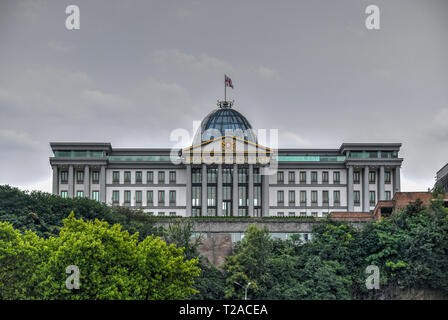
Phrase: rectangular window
(149, 197)
(291, 177)
(211, 196)
(325, 198)
(173, 197)
(314, 214)
(336, 177)
(303, 213)
(280, 214)
(292, 197)
(150, 177)
(302, 197)
(314, 197)
(116, 176)
(337, 197)
(161, 177)
(227, 193)
(243, 197)
(161, 197)
(356, 197)
(80, 194)
(280, 177)
(388, 195)
(243, 175)
(257, 176)
(372, 175)
(257, 196)
(161, 214)
(96, 195)
(314, 176)
(127, 176)
(212, 175)
(172, 214)
(172, 176)
(387, 176)
(79, 176)
(372, 197)
(292, 214)
(227, 175)
(127, 196)
(64, 194)
(115, 196)
(64, 176)
(302, 176)
(138, 177)
(195, 212)
(324, 176)
(196, 196)
(280, 197)
(95, 176)
(356, 176)
(196, 176)
(138, 197)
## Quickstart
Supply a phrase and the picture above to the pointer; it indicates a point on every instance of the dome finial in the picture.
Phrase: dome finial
(225, 104)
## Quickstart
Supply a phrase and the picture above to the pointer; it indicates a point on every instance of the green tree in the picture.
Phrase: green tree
(43, 213)
(113, 264)
(20, 254)
(249, 263)
(180, 232)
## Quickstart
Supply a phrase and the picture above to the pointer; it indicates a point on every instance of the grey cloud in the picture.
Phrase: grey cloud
(137, 70)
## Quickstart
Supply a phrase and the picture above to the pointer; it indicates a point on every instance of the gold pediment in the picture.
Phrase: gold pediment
(227, 149)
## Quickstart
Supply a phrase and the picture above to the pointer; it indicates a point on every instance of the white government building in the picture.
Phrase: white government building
(220, 174)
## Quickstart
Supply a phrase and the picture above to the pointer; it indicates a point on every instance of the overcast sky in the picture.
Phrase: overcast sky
(136, 70)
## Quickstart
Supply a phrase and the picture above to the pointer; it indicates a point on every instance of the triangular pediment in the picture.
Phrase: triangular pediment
(226, 144)
(229, 147)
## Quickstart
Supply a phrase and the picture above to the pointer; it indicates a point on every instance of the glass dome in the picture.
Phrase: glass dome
(224, 121)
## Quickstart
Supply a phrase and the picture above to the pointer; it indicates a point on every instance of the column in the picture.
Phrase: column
(103, 184)
(251, 190)
(219, 191)
(87, 182)
(397, 184)
(70, 182)
(55, 180)
(235, 190)
(264, 195)
(204, 190)
(350, 202)
(188, 192)
(381, 195)
(365, 190)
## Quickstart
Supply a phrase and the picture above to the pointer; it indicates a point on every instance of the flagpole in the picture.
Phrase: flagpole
(225, 87)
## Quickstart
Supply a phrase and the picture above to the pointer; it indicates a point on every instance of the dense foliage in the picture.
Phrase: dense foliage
(410, 249)
(43, 213)
(112, 263)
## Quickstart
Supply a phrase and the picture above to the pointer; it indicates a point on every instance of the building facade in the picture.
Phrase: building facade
(224, 173)
(442, 177)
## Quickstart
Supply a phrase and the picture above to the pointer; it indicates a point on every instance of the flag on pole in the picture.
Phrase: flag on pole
(228, 82)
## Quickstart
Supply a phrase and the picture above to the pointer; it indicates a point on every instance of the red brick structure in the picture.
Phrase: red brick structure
(399, 202)
(385, 208)
(351, 216)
